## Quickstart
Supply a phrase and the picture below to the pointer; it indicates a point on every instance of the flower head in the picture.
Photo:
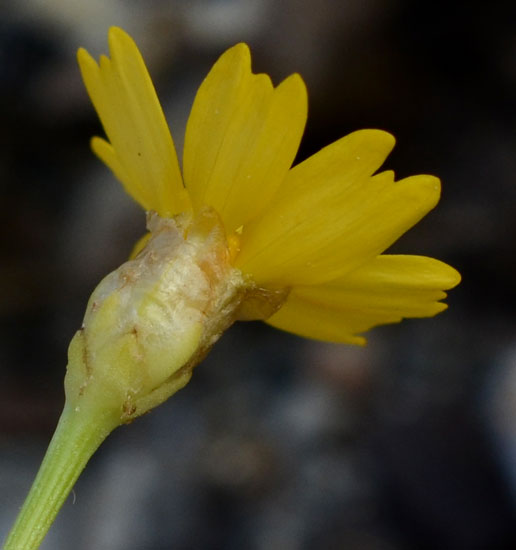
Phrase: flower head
(307, 240)
(239, 234)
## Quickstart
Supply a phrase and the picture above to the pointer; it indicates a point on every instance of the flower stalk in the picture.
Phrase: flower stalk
(78, 435)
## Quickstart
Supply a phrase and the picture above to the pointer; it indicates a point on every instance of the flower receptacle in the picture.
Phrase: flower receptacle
(148, 323)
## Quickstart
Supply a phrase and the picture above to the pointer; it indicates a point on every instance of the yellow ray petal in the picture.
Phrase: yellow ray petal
(385, 290)
(141, 152)
(241, 137)
(104, 150)
(330, 216)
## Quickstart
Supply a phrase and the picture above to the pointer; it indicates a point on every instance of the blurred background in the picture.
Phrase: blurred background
(278, 442)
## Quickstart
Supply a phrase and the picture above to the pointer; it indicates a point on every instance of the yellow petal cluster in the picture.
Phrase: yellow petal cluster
(315, 232)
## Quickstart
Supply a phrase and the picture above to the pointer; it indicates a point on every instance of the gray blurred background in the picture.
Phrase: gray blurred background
(278, 442)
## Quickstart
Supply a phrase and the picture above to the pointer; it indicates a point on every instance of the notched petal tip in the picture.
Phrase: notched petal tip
(118, 38)
(455, 278)
(431, 181)
(105, 152)
(104, 63)
(373, 138)
(295, 79)
(439, 308)
(97, 143)
(294, 86)
(359, 341)
(446, 276)
(423, 190)
(238, 55)
(124, 51)
(83, 57)
(240, 51)
(88, 66)
(114, 30)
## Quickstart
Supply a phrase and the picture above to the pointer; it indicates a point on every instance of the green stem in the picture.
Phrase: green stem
(78, 435)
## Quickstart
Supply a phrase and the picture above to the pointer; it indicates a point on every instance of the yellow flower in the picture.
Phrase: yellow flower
(312, 234)
(239, 235)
